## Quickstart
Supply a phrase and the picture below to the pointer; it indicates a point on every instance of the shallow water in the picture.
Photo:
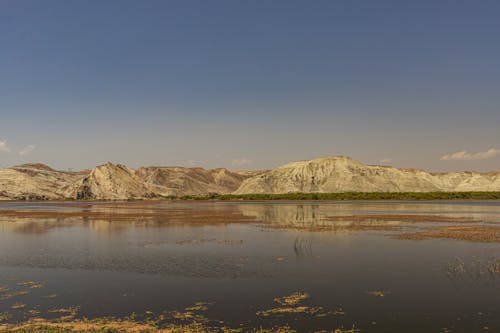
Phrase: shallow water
(114, 259)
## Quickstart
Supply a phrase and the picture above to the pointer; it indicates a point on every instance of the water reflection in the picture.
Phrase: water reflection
(119, 258)
(339, 217)
(302, 247)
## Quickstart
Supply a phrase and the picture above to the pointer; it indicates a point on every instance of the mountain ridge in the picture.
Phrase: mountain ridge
(322, 175)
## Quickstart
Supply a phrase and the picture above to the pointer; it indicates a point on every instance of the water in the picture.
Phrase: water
(115, 259)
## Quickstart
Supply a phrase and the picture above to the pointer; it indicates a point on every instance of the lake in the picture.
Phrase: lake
(373, 266)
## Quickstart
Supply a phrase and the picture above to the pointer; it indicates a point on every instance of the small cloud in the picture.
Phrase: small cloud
(239, 162)
(26, 150)
(386, 160)
(464, 155)
(4, 147)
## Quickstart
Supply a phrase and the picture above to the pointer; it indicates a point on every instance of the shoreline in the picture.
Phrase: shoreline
(341, 197)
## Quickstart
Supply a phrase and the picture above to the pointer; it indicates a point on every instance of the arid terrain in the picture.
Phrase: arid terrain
(323, 175)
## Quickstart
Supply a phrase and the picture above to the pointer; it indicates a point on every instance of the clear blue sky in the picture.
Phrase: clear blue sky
(253, 84)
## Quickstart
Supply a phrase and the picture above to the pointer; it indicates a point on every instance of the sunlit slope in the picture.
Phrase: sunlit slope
(35, 182)
(343, 174)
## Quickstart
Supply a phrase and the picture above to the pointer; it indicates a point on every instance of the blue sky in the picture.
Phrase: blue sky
(250, 84)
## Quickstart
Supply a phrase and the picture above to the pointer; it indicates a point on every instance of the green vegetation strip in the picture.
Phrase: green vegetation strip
(348, 196)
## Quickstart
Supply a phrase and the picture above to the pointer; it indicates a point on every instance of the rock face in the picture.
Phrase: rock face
(343, 174)
(109, 181)
(326, 175)
(179, 181)
(34, 182)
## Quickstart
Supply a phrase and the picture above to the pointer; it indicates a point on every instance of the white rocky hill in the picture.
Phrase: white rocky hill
(109, 181)
(178, 181)
(343, 174)
(323, 175)
(35, 182)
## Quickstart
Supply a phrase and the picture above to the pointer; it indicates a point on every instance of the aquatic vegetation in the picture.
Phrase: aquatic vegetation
(292, 299)
(378, 293)
(352, 330)
(291, 310)
(36, 286)
(30, 284)
(3, 289)
(5, 316)
(198, 306)
(33, 312)
(455, 269)
(473, 269)
(65, 310)
(125, 326)
(192, 321)
(494, 267)
(14, 294)
(291, 305)
(66, 313)
(353, 196)
(17, 306)
(50, 296)
(190, 312)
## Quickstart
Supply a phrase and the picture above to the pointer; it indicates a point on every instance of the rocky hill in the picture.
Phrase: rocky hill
(324, 175)
(110, 181)
(115, 182)
(35, 182)
(178, 181)
(343, 174)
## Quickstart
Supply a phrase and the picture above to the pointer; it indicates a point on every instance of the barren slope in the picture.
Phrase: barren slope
(34, 182)
(343, 174)
(179, 181)
(109, 181)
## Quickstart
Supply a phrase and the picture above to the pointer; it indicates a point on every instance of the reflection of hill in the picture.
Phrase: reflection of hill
(311, 217)
(117, 216)
(114, 217)
(40, 226)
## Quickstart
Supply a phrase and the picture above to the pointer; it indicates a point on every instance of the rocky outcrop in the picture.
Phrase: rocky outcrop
(109, 181)
(34, 182)
(343, 174)
(179, 181)
(323, 175)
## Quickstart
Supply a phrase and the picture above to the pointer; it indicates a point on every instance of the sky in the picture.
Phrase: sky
(250, 84)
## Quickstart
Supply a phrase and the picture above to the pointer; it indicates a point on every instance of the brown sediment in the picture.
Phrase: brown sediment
(406, 218)
(42, 325)
(127, 326)
(355, 226)
(473, 233)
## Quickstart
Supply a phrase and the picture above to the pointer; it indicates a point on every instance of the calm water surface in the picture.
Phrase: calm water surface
(115, 259)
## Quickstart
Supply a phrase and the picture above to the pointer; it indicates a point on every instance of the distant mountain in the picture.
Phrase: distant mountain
(322, 175)
(343, 174)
